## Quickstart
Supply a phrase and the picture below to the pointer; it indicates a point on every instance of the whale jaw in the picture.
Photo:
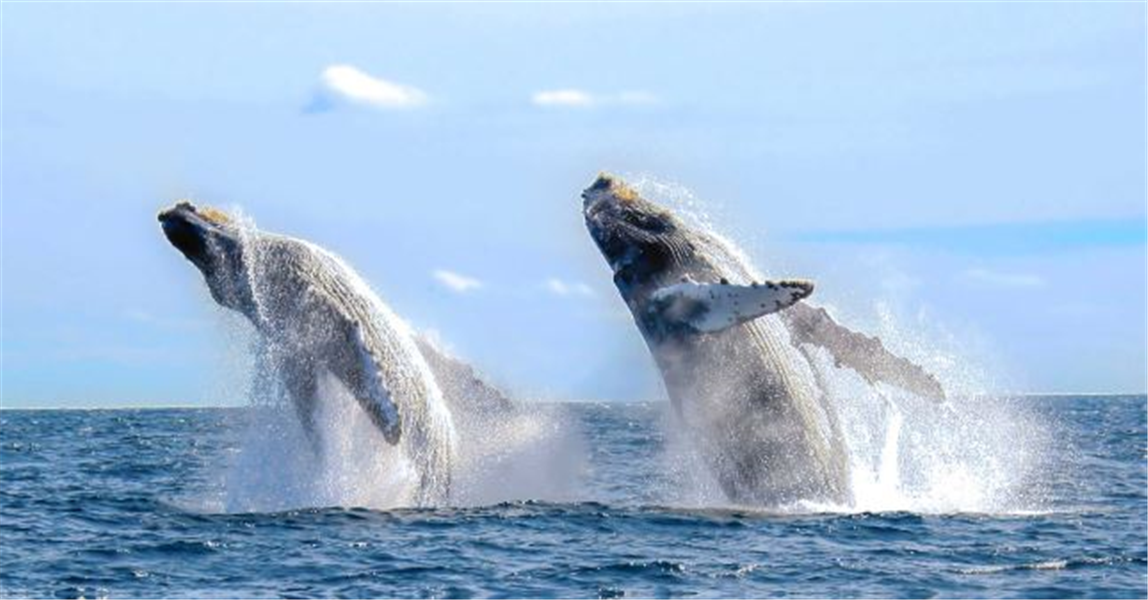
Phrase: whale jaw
(184, 229)
(209, 240)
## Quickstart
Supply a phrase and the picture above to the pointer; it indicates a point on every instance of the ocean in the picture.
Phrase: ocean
(171, 503)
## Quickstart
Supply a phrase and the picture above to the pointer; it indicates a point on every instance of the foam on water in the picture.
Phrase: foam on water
(971, 453)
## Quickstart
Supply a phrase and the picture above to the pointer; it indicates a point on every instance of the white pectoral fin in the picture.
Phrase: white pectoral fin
(712, 307)
(372, 394)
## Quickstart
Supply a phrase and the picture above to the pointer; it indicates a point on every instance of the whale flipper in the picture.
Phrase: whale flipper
(864, 354)
(371, 392)
(713, 307)
(373, 396)
(463, 388)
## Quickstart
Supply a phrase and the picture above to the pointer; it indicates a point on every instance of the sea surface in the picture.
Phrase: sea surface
(132, 503)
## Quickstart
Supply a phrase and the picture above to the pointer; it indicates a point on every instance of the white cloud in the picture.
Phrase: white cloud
(575, 98)
(456, 282)
(999, 279)
(357, 86)
(568, 288)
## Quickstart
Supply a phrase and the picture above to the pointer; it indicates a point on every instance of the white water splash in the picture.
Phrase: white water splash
(277, 467)
(968, 454)
(534, 452)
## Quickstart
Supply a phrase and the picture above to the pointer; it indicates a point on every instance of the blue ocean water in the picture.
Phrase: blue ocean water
(125, 503)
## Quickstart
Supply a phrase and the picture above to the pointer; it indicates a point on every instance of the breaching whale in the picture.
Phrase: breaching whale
(316, 317)
(734, 353)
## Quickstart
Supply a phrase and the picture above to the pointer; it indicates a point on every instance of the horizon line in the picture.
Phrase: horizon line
(3, 408)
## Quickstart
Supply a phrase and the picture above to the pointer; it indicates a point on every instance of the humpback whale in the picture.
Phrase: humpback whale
(735, 353)
(316, 317)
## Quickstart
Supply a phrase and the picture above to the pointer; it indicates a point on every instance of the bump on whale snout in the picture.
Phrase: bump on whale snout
(170, 214)
(188, 211)
(606, 185)
(602, 182)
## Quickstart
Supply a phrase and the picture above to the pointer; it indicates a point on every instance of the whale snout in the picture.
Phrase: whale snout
(607, 189)
(194, 231)
(601, 184)
(170, 214)
(185, 230)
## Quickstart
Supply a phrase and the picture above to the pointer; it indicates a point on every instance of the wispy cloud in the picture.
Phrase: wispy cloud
(351, 84)
(456, 282)
(576, 98)
(559, 287)
(1001, 279)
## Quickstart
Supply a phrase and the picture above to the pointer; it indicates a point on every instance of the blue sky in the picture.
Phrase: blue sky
(969, 178)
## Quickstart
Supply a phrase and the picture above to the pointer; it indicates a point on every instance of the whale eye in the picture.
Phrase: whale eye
(648, 223)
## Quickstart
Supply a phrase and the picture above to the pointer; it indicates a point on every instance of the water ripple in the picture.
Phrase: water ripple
(125, 504)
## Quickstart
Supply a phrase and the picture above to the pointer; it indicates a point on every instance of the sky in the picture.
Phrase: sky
(966, 180)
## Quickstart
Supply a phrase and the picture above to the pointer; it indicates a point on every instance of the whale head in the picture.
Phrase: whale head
(671, 275)
(646, 246)
(211, 240)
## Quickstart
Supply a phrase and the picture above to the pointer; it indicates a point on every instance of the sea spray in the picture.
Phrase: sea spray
(967, 454)
(970, 453)
(277, 467)
(534, 452)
